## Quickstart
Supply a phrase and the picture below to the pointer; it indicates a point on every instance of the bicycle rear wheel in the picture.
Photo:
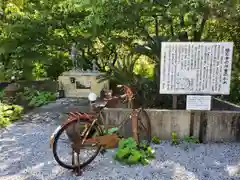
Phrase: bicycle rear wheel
(72, 131)
(143, 127)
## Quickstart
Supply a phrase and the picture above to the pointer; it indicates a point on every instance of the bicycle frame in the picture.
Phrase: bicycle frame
(132, 117)
(97, 118)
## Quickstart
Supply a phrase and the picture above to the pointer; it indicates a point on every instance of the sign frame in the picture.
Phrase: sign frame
(202, 68)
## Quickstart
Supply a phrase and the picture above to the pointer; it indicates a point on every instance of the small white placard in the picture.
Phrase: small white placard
(198, 102)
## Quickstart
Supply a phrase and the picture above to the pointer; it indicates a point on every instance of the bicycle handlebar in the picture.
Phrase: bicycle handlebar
(128, 93)
(126, 96)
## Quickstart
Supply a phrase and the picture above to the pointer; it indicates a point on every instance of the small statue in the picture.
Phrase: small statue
(94, 66)
(73, 56)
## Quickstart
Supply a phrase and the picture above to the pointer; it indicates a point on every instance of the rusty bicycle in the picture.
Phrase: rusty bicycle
(85, 131)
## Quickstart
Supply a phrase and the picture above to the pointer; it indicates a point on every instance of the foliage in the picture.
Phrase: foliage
(123, 73)
(191, 139)
(9, 113)
(175, 140)
(111, 130)
(156, 140)
(188, 139)
(1, 94)
(36, 98)
(36, 37)
(129, 153)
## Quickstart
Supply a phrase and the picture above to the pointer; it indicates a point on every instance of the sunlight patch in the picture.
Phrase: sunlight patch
(233, 170)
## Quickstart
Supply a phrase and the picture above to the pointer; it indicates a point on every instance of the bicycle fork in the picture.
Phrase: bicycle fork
(77, 170)
(76, 147)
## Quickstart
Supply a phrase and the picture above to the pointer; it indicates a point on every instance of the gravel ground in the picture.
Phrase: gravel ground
(25, 155)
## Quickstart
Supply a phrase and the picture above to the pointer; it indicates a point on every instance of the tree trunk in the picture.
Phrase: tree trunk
(158, 56)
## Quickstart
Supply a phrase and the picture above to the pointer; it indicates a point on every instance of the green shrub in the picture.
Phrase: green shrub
(42, 98)
(9, 114)
(175, 140)
(1, 94)
(129, 153)
(37, 98)
(156, 140)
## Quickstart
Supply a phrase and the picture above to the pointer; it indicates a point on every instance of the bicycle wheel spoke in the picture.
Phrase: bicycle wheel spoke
(143, 126)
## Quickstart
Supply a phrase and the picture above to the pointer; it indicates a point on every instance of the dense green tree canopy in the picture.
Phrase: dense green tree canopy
(36, 36)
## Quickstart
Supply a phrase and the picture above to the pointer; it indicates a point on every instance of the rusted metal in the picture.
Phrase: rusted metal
(134, 120)
(88, 131)
(51, 141)
(108, 141)
(78, 139)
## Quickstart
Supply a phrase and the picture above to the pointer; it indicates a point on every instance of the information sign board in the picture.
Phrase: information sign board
(196, 67)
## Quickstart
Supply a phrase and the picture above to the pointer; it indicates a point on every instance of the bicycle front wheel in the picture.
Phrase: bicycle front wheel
(66, 140)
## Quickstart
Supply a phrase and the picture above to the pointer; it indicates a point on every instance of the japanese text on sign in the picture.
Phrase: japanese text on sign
(196, 67)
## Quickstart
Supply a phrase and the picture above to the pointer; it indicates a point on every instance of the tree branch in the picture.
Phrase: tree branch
(172, 30)
(182, 21)
(183, 36)
(198, 34)
(112, 51)
(156, 25)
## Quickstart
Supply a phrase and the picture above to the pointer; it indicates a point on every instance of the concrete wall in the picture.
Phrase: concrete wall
(222, 126)
(212, 126)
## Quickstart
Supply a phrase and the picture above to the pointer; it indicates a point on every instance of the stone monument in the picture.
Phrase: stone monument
(79, 83)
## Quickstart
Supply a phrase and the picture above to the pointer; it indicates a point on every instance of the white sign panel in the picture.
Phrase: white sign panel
(198, 102)
(196, 67)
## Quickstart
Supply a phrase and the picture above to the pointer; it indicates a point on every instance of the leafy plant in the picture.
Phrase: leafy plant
(191, 139)
(122, 72)
(156, 140)
(144, 87)
(42, 98)
(9, 113)
(129, 153)
(37, 98)
(1, 94)
(111, 130)
(175, 140)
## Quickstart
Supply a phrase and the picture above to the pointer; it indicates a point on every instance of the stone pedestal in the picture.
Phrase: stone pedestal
(80, 84)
